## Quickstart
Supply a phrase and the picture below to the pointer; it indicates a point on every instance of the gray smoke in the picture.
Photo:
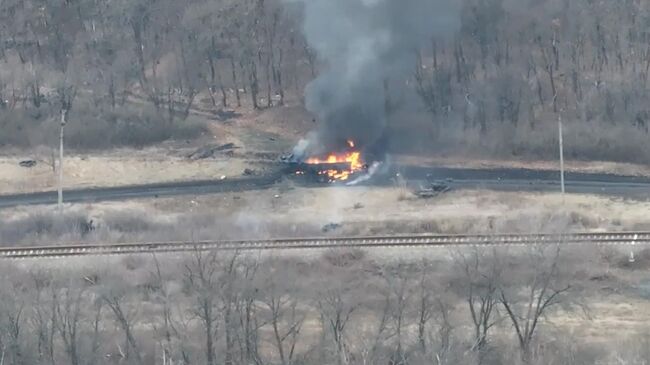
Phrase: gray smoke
(362, 43)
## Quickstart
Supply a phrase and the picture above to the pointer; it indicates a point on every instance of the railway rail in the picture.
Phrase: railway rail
(618, 238)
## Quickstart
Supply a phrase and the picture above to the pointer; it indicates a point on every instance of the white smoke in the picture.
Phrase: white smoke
(372, 170)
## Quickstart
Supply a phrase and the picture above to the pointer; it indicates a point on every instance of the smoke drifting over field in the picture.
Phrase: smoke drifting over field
(363, 43)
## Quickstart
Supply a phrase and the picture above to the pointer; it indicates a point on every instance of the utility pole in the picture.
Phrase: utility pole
(63, 120)
(559, 126)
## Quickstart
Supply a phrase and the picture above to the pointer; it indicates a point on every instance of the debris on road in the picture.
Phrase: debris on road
(212, 150)
(249, 172)
(433, 190)
(27, 163)
(288, 158)
(357, 206)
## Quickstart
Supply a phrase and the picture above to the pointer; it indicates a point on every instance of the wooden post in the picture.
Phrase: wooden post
(60, 183)
(559, 125)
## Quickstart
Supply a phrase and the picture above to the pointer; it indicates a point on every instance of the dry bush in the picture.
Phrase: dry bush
(640, 227)
(129, 221)
(582, 141)
(133, 263)
(438, 226)
(344, 257)
(44, 225)
(593, 140)
(132, 127)
(23, 127)
(89, 128)
(367, 302)
(634, 350)
(567, 349)
(550, 222)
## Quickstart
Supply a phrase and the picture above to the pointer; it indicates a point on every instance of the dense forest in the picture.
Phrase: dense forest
(509, 71)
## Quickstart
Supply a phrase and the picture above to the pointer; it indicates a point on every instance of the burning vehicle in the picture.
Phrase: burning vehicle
(338, 166)
(367, 48)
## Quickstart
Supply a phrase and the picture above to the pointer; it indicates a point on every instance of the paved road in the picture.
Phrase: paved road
(532, 180)
(141, 191)
(495, 179)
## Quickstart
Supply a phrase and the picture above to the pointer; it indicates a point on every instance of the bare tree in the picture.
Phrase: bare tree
(282, 300)
(425, 294)
(480, 282)
(97, 304)
(543, 289)
(115, 295)
(372, 337)
(43, 315)
(246, 309)
(169, 329)
(12, 324)
(69, 315)
(202, 275)
(398, 280)
(338, 298)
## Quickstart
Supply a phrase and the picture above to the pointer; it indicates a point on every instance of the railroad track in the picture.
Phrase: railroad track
(620, 238)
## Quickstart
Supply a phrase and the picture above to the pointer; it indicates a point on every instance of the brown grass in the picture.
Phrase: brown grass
(305, 212)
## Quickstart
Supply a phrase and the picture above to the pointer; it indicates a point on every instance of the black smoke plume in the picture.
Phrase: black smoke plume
(363, 43)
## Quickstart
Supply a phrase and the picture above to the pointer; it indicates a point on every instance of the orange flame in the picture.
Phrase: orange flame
(352, 158)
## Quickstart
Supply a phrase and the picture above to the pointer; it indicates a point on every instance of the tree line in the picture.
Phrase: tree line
(515, 62)
(166, 51)
(482, 307)
(511, 65)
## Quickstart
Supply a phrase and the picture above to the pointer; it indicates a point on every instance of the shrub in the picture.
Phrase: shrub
(92, 128)
(126, 128)
(44, 225)
(23, 128)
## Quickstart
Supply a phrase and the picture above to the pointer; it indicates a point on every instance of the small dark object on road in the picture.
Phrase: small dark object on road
(435, 189)
(357, 206)
(249, 172)
(27, 163)
(331, 227)
(440, 186)
(431, 178)
(227, 146)
(287, 158)
(211, 150)
(224, 115)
